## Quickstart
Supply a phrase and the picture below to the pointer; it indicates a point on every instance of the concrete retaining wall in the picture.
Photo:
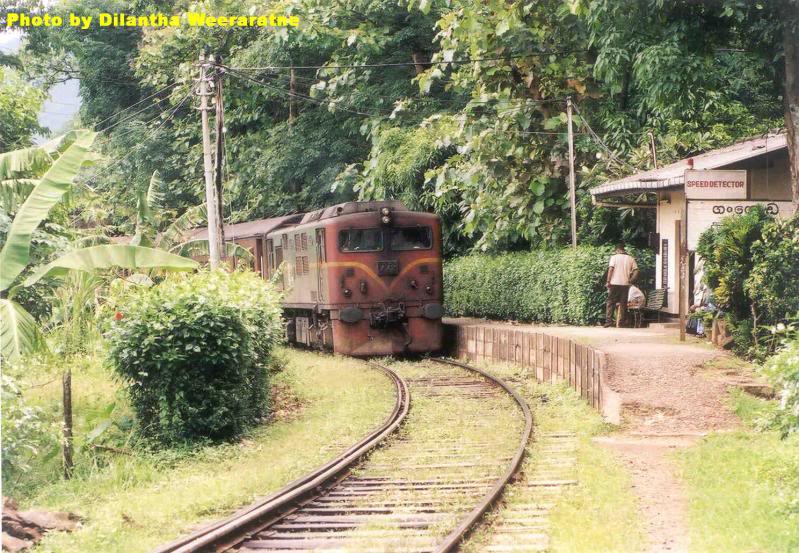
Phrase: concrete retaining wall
(554, 360)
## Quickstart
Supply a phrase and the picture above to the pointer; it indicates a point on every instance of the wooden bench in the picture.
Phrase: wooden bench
(655, 300)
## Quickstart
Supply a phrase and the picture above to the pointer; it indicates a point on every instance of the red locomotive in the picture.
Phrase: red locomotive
(359, 278)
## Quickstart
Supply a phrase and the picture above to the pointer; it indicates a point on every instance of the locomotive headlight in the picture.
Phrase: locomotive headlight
(347, 292)
(385, 211)
(385, 215)
(386, 219)
(429, 289)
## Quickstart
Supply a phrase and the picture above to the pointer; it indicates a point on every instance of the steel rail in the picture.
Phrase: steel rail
(236, 528)
(454, 538)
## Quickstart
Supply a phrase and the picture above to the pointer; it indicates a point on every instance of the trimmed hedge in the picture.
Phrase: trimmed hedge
(563, 285)
(195, 352)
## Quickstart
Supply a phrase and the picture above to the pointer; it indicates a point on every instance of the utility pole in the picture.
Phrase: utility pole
(212, 204)
(572, 192)
(219, 158)
(682, 271)
(654, 150)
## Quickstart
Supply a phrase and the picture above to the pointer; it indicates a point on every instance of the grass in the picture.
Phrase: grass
(600, 513)
(743, 486)
(134, 502)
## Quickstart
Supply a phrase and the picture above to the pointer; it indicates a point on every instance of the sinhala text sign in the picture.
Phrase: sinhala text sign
(703, 213)
(715, 185)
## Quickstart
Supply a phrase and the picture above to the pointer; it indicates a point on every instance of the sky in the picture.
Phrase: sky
(63, 102)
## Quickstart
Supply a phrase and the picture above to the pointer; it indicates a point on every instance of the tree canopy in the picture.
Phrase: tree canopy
(457, 106)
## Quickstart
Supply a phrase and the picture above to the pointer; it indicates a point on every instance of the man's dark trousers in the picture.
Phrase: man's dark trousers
(617, 293)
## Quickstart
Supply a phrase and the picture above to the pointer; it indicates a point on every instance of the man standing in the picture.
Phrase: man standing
(622, 272)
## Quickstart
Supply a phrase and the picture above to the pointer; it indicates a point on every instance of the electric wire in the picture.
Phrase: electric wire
(599, 141)
(148, 134)
(301, 96)
(411, 63)
(133, 106)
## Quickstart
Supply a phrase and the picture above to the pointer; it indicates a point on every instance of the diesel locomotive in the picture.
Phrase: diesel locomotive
(359, 278)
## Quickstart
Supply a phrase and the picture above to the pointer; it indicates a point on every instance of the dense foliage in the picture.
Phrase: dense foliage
(26, 430)
(727, 251)
(783, 369)
(19, 109)
(752, 266)
(773, 283)
(553, 286)
(196, 352)
(483, 143)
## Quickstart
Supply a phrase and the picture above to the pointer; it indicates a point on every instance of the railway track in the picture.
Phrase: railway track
(427, 485)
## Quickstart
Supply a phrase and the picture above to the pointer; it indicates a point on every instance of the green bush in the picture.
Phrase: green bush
(554, 286)
(783, 370)
(727, 251)
(752, 266)
(773, 283)
(27, 432)
(195, 352)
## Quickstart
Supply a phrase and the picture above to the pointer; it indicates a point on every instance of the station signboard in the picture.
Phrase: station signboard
(703, 213)
(715, 185)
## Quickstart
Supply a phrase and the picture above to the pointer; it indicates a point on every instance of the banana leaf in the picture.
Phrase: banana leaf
(147, 202)
(19, 332)
(112, 255)
(49, 191)
(25, 161)
(201, 248)
(13, 193)
(176, 232)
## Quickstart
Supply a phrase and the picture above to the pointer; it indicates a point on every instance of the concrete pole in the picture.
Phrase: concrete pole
(214, 226)
(572, 191)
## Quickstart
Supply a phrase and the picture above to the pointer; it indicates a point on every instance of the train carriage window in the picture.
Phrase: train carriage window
(411, 238)
(360, 240)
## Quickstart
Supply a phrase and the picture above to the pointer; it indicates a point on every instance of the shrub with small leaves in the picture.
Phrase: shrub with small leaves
(783, 370)
(26, 431)
(196, 352)
(564, 285)
(773, 282)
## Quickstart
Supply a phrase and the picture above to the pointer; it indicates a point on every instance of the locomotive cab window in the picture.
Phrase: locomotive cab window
(411, 238)
(360, 240)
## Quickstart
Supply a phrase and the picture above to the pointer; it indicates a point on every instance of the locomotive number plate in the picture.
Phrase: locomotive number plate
(388, 268)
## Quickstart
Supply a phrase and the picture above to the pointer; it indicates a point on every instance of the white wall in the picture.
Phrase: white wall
(670, 209)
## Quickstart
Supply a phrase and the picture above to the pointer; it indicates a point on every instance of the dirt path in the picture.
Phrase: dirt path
(666, 404)
(660, 493)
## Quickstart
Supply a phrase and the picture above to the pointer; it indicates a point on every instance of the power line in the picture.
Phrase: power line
(301, 96)
(133, 106)
(599, 140)
(410, 63)
(149, 134)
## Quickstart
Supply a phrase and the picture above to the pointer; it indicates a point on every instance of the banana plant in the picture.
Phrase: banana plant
(49, 172)
(173, 238)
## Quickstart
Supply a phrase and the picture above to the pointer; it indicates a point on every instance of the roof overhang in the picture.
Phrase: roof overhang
(636, 186)
(672, 176)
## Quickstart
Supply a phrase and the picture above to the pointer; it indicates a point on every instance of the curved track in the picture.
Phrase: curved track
(228, 532)
(422, 492)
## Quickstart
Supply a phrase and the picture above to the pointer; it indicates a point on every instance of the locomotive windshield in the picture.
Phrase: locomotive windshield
(360, 240)
(411, 238)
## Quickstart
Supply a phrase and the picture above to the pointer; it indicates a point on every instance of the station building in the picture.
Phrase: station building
(692, 194)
